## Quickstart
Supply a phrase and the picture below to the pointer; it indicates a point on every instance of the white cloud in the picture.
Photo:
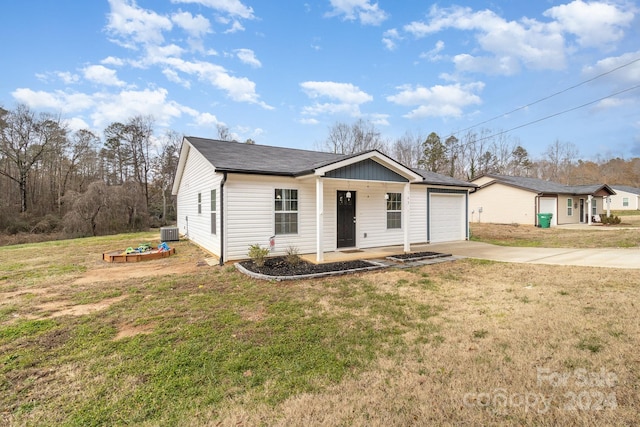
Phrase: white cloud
(363, 10)
(235, 27)
(248, 57)
(132, 25)
(196, 26)
(59, 101)
(102, 75)
(434, 54)
(437, 101)
(239, 89)
(343, 92)
(76, 123)
(390, 38)
(595, 24)
(348, 97)
(206, 119)
(111, 60)
(231, 7)
(628, 75)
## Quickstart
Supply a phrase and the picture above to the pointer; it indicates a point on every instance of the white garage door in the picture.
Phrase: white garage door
(447, 218)
(548, 205)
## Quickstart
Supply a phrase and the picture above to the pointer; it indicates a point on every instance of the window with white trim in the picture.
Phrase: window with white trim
(594, 207)
(394, 210)
(199, 203)
(569, 207)
(213, 211)
(286, 211)
(625, 202)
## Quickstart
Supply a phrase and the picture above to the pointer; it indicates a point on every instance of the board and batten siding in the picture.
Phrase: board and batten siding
(199, 177)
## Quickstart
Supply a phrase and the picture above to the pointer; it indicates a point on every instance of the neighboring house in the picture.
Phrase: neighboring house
(518, 200)
(232, 195)
(626, 198)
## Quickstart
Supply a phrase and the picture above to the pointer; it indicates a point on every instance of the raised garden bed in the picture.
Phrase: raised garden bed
(416, 256)
(120, 256)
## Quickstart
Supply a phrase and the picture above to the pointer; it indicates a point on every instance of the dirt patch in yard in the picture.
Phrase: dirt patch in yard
(135, 270)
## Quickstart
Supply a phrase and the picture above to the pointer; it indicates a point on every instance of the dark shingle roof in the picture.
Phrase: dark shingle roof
(439, 179)
(228, 156)
(548, 187)
(632, 190)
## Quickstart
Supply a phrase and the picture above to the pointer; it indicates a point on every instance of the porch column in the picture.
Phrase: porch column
(406, 214)
(608, 200)
(589, 201)
(319, 219)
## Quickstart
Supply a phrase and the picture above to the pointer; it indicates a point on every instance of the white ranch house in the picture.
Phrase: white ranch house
(626, 198)
(231, 195)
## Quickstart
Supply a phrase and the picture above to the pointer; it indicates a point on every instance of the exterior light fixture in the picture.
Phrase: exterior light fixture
(348, 194)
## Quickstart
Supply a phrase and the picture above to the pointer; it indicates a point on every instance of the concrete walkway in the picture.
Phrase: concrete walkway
(601, 257)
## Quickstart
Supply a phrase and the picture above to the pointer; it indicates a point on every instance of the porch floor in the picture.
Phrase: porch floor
(352, 254)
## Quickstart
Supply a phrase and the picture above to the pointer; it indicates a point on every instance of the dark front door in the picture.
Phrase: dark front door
(582, 216)
(346, 219)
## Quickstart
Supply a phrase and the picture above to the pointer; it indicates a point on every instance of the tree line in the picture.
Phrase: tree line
(54, 179)
(478, 152)
(79, 183)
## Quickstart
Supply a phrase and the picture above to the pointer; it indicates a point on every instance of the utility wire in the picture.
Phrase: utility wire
(559, 113)
(550, 96)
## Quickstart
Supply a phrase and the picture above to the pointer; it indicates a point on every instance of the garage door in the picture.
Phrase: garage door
(447, 218)
(548, 205)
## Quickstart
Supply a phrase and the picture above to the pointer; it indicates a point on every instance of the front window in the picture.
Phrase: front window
(594, 207)
(569, 207)
(625, 202)
(394, 210)
(286, 211)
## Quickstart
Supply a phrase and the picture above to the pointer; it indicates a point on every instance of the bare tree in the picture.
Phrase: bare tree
(24, 140)
(349, 139)
(407, 149)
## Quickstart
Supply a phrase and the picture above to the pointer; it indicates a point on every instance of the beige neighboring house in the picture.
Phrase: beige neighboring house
(626, 198)
(505, 199)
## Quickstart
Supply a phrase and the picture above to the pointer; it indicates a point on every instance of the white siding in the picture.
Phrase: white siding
(199, 177)
(418, 232)
(250, 215)
(371, 213)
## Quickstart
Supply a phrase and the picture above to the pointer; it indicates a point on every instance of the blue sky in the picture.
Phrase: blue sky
(283, 72)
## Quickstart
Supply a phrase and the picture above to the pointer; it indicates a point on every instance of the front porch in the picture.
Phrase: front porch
(368, 253)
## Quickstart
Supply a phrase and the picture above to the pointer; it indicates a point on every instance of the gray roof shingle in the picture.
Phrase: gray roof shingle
(228, 156)
(548, 187)
(240, 157)
(628, 189)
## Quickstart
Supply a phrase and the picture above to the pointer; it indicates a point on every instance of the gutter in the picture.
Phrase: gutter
(224, 180)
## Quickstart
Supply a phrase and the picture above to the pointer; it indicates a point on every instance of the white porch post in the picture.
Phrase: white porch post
(319, 219)
(589, 208)
(406, 213)
(608, 200)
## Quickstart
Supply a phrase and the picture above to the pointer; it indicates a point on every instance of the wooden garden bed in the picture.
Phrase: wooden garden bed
(136, 257)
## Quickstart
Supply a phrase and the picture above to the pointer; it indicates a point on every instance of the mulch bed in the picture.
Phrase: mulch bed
(413, 256)
(278, 266)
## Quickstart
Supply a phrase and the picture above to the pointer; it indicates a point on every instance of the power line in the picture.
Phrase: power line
(559, 113)
(549, 96)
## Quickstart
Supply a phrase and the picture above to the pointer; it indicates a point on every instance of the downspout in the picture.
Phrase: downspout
(536, 208)
(224, 180)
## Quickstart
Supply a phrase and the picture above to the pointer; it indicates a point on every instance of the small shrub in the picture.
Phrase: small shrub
(258, 254)
(291, 256)
(610, 219)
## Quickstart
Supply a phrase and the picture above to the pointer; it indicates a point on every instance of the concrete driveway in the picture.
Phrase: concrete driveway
(601, 257)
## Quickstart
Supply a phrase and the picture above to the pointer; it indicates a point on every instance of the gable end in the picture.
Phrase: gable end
(367, 170)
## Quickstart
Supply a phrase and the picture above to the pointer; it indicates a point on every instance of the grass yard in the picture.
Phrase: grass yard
(178, 342)
(529, 236)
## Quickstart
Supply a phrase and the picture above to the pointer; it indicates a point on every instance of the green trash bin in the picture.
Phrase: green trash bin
(544, 220)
